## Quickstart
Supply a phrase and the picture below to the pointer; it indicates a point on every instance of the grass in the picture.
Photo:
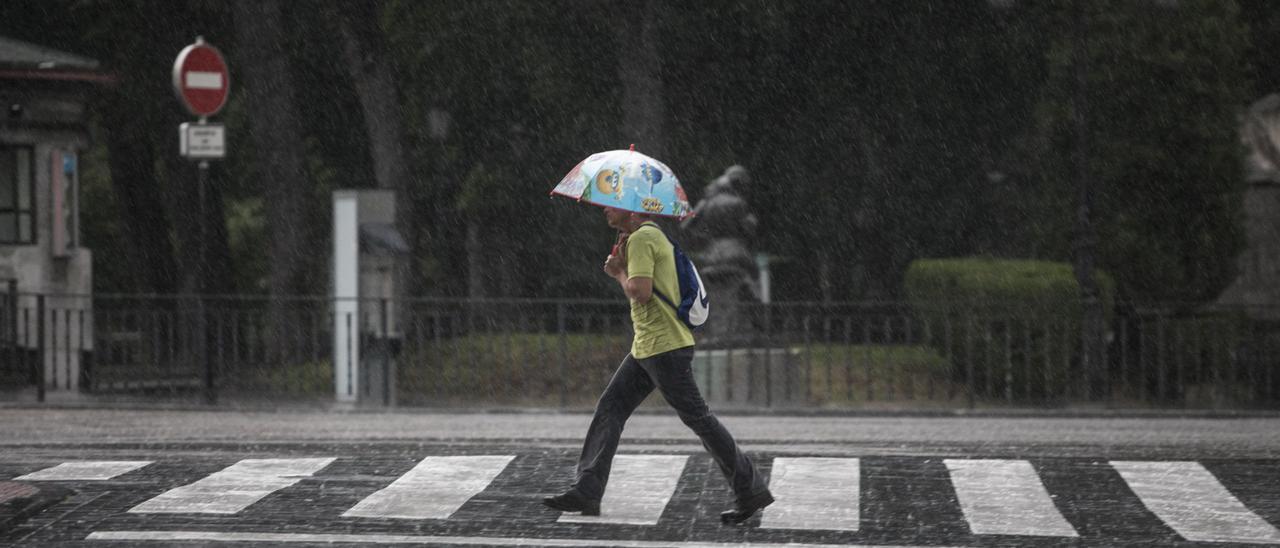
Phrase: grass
(858, 374)
(513, 369)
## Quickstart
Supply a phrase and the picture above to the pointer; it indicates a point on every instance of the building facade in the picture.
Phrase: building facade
(43, 132)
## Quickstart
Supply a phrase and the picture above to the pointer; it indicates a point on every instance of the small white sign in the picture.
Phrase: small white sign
(202, 141)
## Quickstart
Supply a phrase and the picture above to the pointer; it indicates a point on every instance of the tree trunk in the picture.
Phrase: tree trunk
(276, 136)
(1092, 351)
(183, 204)
(133, 176)
(368, 61)
(640, 71)
(475, 261)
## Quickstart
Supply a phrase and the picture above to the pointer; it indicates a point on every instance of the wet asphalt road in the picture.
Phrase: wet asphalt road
(908, 493)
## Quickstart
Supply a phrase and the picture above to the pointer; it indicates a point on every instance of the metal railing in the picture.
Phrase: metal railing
(561, 353)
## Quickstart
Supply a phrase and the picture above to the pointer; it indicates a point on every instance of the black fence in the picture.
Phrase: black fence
(560, 353)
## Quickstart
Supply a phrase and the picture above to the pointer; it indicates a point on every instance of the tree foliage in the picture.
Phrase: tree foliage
(1164, 89)
(878, 132)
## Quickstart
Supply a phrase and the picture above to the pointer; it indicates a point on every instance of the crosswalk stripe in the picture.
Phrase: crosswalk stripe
(1192, 502)
(814, 493)
(234, 488)
(89, 470)
(434, 489)
(640, 486)
(1005, 497)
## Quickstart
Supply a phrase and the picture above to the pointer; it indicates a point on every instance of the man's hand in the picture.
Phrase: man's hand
(616, 264)
(637, 289)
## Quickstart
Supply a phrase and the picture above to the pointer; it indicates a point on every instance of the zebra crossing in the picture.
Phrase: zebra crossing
(434, 489)
(996, 497)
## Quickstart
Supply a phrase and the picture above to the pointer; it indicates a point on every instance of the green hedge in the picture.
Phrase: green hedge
(1010, 327)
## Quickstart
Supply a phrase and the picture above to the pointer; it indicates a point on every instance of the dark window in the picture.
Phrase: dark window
(17, 196)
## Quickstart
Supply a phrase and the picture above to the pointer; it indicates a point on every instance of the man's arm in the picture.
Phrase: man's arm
(638, 288)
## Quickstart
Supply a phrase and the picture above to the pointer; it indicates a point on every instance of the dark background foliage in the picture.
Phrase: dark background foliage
(877, 133)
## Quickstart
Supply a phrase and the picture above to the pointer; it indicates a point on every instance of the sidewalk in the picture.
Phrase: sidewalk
(193, 401)
(43, 426)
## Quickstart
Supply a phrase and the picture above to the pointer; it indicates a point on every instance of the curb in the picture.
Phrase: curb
(21, 500)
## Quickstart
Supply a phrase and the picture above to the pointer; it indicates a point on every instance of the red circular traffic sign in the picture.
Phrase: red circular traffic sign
(201, 79)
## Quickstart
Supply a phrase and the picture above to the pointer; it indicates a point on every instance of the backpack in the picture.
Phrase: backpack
(694, 305)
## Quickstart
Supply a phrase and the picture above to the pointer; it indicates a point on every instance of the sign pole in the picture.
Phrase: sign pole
(201, 81)
(210, 395)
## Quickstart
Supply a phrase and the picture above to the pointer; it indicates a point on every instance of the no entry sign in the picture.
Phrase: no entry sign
(200, 78)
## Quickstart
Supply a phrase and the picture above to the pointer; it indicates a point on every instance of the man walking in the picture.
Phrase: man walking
(643, 262)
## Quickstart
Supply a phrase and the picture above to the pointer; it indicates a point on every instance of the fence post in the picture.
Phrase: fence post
(1008, 359)
(39, 365)
(386, 358)
(210, 393)
(971, 386)
(564, 354)
(15, 348)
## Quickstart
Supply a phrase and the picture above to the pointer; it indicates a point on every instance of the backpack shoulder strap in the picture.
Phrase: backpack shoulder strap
(665, 299)
(657, 293)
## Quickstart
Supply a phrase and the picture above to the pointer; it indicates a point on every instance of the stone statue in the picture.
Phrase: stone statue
(1260, 133)
(1256, 285)
(719, 236)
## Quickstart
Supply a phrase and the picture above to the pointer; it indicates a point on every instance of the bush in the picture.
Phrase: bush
(1011, 327)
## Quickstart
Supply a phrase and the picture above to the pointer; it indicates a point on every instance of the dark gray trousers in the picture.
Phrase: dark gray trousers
(672, 374)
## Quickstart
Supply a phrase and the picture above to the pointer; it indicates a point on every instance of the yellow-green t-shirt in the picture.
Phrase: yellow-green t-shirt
(658, 329)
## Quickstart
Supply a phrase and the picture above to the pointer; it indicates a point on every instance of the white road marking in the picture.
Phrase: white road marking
(91, 470)
(640, 486)
(434, 489)
(1192, 502)
(234, 488)
(337, 538)
(1005, 497)
(814, 493)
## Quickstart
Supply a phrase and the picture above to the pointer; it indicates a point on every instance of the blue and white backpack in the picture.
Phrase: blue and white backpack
(694, 306)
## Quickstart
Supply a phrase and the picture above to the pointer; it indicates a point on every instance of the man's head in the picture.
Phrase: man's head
(624, 220)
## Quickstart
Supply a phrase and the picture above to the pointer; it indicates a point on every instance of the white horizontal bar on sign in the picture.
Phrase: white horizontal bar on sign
(204, 80)
(89, 470)
(814, 493)
(233, 488)
(1192, 502)
(1005, 497)
(434, 489)
(640, 486)
(169, 537)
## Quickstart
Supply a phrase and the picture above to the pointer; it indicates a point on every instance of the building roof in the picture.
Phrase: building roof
(26, 61)
(19, 54)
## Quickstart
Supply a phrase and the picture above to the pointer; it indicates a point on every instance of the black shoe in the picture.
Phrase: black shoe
(744, 509)
(573, 501)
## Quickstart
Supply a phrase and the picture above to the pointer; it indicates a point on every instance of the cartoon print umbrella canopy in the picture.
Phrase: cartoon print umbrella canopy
(628, 180)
